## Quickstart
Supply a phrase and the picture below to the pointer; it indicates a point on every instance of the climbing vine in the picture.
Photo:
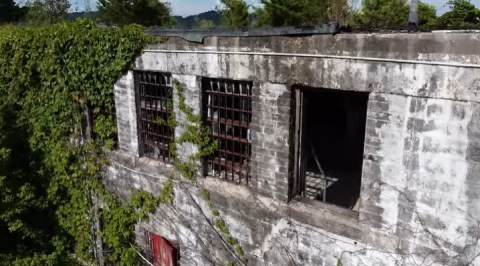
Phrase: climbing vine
(196, 133)
(193, 132)
(222, 227)
(56, 84)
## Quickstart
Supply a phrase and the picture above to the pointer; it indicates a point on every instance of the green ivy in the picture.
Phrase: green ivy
(221, 226)
(57, 82)
(167, 195)
(194, 132)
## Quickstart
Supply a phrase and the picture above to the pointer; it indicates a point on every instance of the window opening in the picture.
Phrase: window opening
(329, 143)
(227, 111)
(154, 92)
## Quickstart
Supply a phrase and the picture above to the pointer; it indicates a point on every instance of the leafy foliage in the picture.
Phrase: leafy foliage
(23, 204)
(338, 10)
(143, 12)
(392, 14)
(221, 226)
(301, 12)
(427, 16)
(292, 12)
(194, 132)
(167, 195)
(463, 15)
(205, 24)
(382, 14)
(55, 124)
(47, 11)
(234, 13)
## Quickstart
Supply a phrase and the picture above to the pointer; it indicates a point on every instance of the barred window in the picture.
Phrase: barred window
(227, 110)
(154, 92)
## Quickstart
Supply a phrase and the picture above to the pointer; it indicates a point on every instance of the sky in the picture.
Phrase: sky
(192, 7)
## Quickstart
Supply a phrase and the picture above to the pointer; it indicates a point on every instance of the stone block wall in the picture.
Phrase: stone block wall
(271, 124)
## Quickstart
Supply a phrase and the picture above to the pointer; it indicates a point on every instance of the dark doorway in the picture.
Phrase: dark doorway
(330, 134)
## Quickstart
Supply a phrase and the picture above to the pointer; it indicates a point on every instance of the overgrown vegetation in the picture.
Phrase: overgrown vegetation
(339, 10)
(55, 124)
(393, 14)
(56, 120)
(427, 16)
(221, 226)
(193, 132)
(292, 12)
(143, 12)
(463, 15)
(372, 14)
(382, 14)
(204, 24)
(234, 14)
(47, 11)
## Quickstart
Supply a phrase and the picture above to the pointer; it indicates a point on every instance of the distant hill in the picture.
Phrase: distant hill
(190, 21)
(181, 22)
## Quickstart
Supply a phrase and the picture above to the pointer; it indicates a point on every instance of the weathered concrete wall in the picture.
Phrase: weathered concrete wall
(422, 80)
(126, 115)
(419, 165)
(420, 199)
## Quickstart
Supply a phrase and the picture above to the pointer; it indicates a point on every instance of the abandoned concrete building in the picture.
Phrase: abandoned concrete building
(346, 149)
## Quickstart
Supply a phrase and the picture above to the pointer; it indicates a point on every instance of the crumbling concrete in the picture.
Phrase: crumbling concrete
(420, 194)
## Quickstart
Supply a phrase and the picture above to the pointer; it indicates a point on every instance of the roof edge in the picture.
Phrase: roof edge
(198, 35)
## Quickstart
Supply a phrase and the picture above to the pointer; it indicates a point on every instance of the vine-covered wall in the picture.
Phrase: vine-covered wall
(57, 125)
(193, 214)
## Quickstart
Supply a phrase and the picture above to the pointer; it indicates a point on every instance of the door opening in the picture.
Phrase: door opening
(329, 143)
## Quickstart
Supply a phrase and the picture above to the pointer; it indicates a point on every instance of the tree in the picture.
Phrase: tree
(143, 12)
(26, 226)
(47, 11)
(234, 13)
(463, 15)
(338, 10)
(10, 12)
(427, 16)
(205, 24)
(382, 14)
(292, 12)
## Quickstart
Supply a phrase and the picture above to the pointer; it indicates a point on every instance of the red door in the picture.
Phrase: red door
(163, 252)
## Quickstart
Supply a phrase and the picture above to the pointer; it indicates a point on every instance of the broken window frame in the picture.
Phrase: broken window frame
(230, 126)
(298, 183)
(154, 91)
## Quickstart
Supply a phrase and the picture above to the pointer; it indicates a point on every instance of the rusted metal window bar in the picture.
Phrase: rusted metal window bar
(154, 91)
(227, 110)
